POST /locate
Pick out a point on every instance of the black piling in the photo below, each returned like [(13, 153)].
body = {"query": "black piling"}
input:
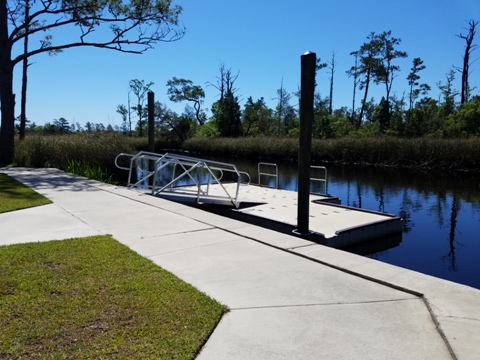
[(151, 121), (307, 91), (151, 130)]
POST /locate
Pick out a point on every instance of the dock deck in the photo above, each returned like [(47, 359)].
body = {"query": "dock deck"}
[(333, 224)]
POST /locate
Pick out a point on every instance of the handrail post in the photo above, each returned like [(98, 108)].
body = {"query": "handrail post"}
[(307, 90)]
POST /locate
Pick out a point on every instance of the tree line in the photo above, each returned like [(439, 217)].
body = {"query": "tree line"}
[(414, 114)]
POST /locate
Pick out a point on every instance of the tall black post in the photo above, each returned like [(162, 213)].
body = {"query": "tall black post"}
[(307, 91), (151, 131), (151, 121)]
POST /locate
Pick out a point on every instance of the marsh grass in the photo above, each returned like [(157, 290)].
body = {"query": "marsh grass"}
[(98, 151), (94, 298), (15, 196), (262, 148), (90, 155), (425, 153), (58, 150)]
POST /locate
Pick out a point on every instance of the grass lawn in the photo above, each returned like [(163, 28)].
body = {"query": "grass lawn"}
[(94, 298), (15, 196)]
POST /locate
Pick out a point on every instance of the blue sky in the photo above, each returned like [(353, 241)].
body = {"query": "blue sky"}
[(260, 40)]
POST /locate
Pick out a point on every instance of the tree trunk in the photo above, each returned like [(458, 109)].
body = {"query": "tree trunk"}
[(465, 95), (355, 77), (332, 68), (7, 98), (7, 131), (365, 95), (23, 100)]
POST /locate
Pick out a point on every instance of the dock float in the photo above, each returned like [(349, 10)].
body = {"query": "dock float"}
[(199, 182), (331, 224)]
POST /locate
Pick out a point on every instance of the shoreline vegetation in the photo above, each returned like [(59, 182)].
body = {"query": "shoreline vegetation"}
[(93, 154), (384, 151)]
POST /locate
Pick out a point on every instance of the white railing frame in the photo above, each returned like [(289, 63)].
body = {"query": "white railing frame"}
[(322, 180), (275, 175), (188, 165)]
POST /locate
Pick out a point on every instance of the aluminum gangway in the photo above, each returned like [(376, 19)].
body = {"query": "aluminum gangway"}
[(183, 178)]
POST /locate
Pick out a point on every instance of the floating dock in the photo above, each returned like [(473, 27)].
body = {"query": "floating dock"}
[(198, 181), (331, 224)]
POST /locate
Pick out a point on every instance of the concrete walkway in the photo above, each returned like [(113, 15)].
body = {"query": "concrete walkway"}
[(289, 298)]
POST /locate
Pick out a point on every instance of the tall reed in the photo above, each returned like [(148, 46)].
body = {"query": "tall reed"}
[(57, 151), (431, 153), (100, 150)]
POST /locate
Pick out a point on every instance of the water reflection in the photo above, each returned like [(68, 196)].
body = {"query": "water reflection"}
[(440, 211)]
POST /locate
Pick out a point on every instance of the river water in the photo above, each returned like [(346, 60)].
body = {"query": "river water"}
[(441, 212)]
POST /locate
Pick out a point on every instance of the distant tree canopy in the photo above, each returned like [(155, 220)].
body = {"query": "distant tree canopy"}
[(183, 90)]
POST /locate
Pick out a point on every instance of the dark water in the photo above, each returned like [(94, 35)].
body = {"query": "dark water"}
[(441, 236)]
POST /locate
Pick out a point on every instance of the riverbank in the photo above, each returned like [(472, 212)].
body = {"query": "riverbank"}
[(99, 150), (421, 153)]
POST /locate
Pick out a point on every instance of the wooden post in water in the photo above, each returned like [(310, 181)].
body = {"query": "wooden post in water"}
[(151, 121), (307, 90)]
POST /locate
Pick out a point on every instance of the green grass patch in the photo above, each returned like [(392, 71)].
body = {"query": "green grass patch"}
[(94, 298), (15, 196)]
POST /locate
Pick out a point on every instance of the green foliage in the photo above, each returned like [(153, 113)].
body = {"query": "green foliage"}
[(257, 118), (341, 126), (94, 172), (170, 126), (370, 129), (183, 90), (227, 115), (208, 130), (140, 89), (286, 115), (15, 196), (94, 298), (466, 120)]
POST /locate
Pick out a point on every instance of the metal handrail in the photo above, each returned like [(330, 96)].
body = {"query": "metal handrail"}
[(322, 180), (143, 157), (149, 166), (275, 175)]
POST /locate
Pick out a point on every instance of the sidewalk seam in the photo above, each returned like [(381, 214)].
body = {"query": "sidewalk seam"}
[(325, 304), (439, 328)]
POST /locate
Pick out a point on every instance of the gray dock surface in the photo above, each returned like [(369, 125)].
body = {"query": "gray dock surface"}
[(335, 225), (289, 298)]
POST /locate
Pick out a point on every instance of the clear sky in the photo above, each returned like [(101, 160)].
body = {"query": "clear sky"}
[(260, 40)]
